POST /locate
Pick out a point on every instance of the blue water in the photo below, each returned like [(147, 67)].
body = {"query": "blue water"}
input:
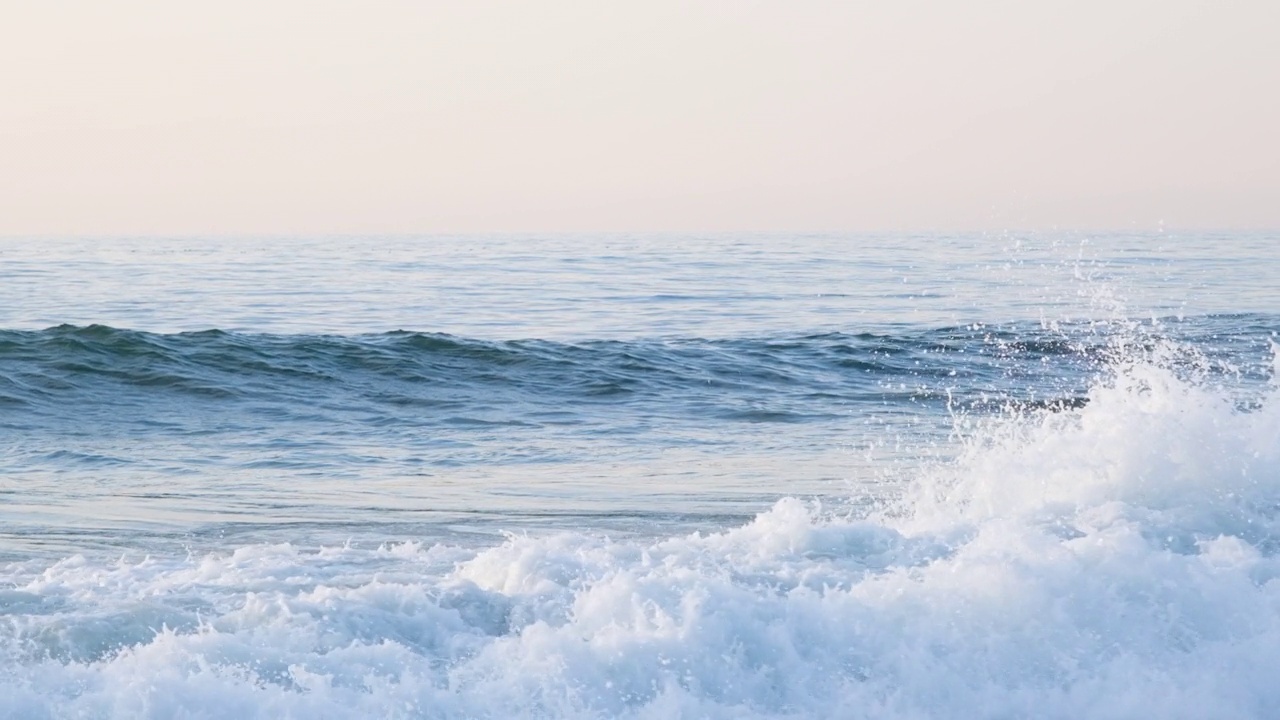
[(733, 476)]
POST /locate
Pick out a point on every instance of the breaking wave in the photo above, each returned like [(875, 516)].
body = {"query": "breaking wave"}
[(1113, 559)]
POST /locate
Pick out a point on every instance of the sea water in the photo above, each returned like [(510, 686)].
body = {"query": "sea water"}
[(744, 476)]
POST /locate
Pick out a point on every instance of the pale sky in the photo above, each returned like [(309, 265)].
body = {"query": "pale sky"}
[(387, 116)]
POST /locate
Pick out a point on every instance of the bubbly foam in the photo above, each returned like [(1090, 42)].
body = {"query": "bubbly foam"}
[(1115, 560)]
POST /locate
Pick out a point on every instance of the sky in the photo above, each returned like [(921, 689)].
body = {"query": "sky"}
[(388, 116)]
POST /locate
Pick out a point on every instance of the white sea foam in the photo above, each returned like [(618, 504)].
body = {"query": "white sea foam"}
[(1115, 561)]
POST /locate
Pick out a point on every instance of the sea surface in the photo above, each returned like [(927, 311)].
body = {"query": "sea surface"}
[(733, 476)]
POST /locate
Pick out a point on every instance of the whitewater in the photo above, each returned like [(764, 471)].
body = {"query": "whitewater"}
[(746, 477)]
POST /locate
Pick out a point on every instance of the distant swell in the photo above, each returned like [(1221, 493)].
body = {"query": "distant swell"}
[(802, 373)]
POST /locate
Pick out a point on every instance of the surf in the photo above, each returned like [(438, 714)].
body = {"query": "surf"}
[(1111, 559)]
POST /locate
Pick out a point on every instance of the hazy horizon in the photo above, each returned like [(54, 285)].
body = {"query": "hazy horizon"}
[(292, 118)]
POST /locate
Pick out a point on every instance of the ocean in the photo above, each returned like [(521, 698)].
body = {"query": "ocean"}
[(732, 476)]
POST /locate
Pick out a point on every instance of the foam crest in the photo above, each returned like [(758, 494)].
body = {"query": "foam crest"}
[(1149, 441)]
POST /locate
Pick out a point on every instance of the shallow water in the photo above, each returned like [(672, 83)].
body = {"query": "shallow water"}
[(750, 476)]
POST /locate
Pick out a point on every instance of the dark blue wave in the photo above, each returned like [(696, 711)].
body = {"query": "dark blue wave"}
[(128, 376)]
